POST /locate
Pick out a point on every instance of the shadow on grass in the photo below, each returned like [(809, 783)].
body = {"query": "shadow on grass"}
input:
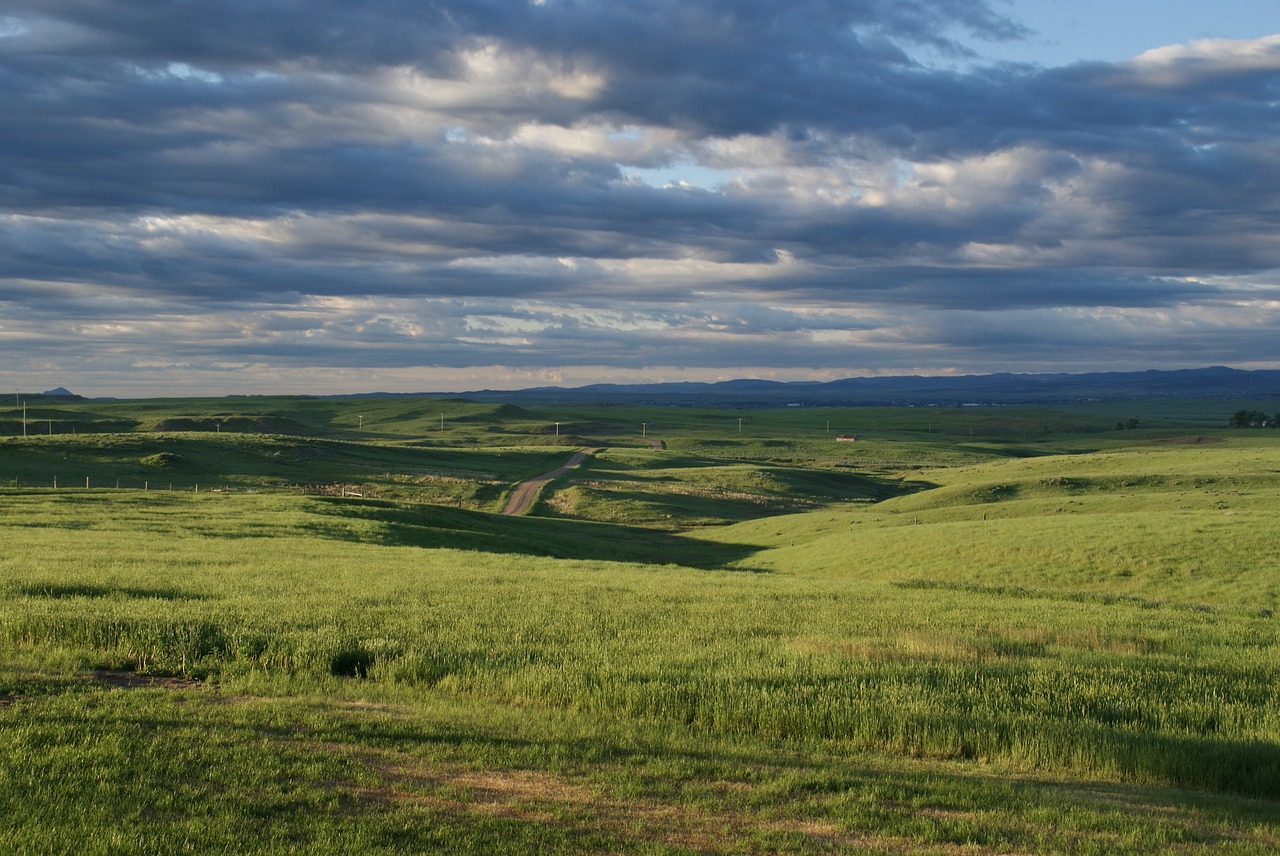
[(605, 467), (313, 768), (429, 526), (86, 590), (1146, 768), (775, 478), (665, 508)]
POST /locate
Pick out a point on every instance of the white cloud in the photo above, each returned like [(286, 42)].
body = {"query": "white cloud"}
[(1179, 65)]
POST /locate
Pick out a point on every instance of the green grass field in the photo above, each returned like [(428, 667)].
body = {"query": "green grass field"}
[(971, 631)]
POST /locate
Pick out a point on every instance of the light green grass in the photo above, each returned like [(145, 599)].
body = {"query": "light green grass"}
[(162, 771), (1193, 524), (939, 672), (983, 651)]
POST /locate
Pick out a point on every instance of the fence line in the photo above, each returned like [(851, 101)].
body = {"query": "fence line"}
[(339, 489)]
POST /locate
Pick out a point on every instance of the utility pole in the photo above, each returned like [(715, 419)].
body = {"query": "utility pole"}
[(739, 424), (441, 421), (557, 429), (24, 419), (361, 418)]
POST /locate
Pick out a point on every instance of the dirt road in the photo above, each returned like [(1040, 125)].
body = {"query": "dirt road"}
[(522, 496)]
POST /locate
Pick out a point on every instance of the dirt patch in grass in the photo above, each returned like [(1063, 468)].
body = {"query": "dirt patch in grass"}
[(541, 797), (133, 680), (1188, 441)]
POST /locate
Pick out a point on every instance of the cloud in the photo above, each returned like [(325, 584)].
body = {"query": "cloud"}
[(1206, 60), (541, 185)]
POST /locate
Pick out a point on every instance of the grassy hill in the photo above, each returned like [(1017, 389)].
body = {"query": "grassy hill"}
[(930, 640), (1191, 523)]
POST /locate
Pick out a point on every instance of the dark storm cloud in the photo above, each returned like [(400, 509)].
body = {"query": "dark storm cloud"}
[(271, 172)]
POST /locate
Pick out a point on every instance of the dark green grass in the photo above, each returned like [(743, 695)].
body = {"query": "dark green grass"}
[(427, 527), (448, 421), (376, 419), (679, 491), (476, 478)]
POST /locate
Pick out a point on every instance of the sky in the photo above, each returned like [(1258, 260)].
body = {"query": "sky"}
[(203, 197)]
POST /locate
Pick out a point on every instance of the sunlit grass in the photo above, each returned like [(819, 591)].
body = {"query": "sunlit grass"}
[(937, 671), (976, 652)]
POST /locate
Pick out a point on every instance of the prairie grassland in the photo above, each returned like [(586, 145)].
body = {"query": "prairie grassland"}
[(672, 490), (1052, 654), (1183, 523), (475, 478), (1108, 687), (151, 770), (369, 419), (1065, 706)]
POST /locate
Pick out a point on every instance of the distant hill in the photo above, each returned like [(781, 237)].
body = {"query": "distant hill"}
[(59, 393), (1217, 382)]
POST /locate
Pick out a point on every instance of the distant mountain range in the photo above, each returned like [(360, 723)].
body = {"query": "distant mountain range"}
[(1217, 382), (1214, 383)]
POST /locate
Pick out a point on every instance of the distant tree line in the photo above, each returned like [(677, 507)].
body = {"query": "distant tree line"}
[(1253, 419)]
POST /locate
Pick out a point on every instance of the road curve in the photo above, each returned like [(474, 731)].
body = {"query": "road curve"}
[(522, 496)]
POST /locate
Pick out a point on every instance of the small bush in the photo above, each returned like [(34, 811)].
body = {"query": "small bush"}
[(165, 460)]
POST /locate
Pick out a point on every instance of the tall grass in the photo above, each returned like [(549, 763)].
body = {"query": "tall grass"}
[(963, 641), (1119, 689)]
